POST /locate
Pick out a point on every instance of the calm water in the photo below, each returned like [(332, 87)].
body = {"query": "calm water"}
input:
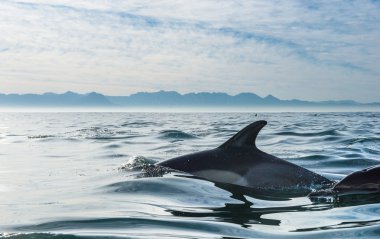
[(85, 175)]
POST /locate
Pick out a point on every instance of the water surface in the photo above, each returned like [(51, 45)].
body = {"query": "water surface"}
[(87, 175)]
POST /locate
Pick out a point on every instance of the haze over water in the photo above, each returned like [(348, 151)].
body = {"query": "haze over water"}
[(87, 175)]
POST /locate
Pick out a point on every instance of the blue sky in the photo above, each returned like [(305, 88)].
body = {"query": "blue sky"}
[(313, 50)]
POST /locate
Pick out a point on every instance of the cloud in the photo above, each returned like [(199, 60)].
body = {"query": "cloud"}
[(119, 47)]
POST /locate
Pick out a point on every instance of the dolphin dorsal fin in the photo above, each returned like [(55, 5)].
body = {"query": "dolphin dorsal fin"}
[(247, 136)]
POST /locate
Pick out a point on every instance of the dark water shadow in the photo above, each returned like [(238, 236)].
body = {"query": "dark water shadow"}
[(246, 213), (268, 194)]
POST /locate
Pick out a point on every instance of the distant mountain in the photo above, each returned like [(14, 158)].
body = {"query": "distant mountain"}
[(93, 99), (68, 99), (172, 98), (163, 99)]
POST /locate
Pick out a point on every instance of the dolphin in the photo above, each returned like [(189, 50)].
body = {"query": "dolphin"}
[(366, 181), (239, 162)]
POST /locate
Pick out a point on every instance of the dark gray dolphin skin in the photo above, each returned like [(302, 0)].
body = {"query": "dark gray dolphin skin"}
[(239, 162), (366, 181)]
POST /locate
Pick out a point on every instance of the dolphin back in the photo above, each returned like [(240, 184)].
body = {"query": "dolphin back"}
[(365, 181)]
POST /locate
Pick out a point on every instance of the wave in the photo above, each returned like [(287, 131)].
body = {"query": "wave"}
[(137, 163), (42, 136), (105, 137), (47, 236), (316, 157), (139, 124), (136, 227), (113, 146), (331, 132), (352, 163), (175, 134), (101, 133), (361, 140)]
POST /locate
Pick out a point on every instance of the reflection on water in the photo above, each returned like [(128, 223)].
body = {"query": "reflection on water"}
[(92, 175)]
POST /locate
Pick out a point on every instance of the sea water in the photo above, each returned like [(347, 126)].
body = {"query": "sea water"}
[(83, 175)]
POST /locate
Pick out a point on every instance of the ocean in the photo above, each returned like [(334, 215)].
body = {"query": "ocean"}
[(89, 175)]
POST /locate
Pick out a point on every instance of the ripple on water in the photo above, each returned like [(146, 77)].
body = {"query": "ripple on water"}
[(361, 140), (136, 227), (101, 133), (332, 138), (173, 191), (371, 151), (112, 146), (331, 132), (175, 134), (114, 155), (315, 157), (42, 136), (352, 163), (138, 124)]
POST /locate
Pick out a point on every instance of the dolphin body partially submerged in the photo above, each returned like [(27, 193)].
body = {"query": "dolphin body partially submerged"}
[(239, 162), (366, 181)]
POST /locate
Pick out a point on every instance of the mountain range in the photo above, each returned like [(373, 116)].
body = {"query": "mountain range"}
[(164, 99)]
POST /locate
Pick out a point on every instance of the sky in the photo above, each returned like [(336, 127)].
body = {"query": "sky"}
[(310, 50)]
